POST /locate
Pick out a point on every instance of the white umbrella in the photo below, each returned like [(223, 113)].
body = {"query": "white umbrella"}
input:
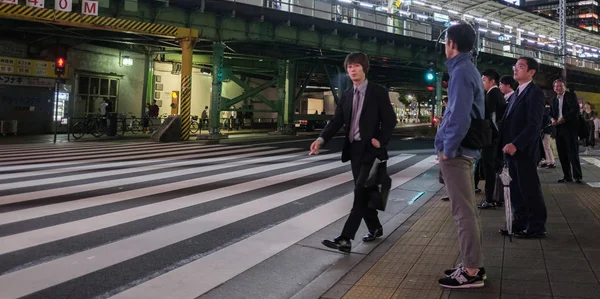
[(505, 178)]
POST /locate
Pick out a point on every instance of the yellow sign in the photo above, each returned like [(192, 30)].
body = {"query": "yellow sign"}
[(398, 3), (27, 67)]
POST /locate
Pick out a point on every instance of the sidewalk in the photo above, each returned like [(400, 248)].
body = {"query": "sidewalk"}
[(565, 264)]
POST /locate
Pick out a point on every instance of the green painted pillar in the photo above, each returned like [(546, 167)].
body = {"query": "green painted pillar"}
[(217, 87), (281, 89), (438, 94), (290, 99), (149, 70)]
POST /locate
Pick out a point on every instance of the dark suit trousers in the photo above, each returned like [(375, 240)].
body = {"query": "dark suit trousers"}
[(529, 209), (360, 209), (491, 164), (568, 152)]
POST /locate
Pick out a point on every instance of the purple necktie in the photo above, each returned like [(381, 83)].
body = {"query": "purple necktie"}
[(354, 123)]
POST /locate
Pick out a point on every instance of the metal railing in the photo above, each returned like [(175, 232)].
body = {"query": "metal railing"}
[(412, 24)]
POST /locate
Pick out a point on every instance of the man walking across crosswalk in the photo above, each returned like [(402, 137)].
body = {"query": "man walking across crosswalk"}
[(369, 119)]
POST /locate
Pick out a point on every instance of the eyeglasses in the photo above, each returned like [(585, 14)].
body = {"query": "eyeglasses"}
[(519, 67)]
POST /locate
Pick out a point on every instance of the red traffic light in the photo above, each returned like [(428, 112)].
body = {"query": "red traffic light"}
[(59, 66), (430, 88), (60, 62)]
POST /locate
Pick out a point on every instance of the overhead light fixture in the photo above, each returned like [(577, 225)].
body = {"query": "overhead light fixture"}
[(531, 41), (541, 44), (496, 23), (587, 48), (454, 12), (404, 13), (542, 36), (128, 61), (468, 16), (496, 33), (578, 46), (552, 38), (570, 50), (520, 30), (418, 3), (552, 46), (345, 1), (531, 33), (483, 30), (436, 7), (508, 27), (366, 5), (508, 35), (481, 20), (569, 43), (422, 16), (594, 50)]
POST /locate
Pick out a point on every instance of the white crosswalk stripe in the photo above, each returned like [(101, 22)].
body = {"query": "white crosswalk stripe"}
[(70, 222)]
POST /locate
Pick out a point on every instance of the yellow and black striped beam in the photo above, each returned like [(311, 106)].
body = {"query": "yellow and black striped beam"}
[(45, 15), (184, 110)]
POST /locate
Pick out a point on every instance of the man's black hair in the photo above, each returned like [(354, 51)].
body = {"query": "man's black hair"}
[(463, 35), (508, 80), (492, 75), (532, 64)]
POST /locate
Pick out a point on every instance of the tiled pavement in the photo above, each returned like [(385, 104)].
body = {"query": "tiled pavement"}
[(565, 264)]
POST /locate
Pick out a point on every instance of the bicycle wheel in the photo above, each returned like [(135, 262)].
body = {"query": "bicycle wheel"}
[(78, 130), (194, 127), (136, 127), (97, 129)]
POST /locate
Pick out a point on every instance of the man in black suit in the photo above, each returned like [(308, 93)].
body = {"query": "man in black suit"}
[(519, 139), (495, 106), (565, 116), (369, 119)]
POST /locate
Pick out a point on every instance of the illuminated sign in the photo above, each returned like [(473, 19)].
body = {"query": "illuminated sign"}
[(438, 17)]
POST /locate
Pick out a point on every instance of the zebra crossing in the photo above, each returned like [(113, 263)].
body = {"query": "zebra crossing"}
[(147, 220)]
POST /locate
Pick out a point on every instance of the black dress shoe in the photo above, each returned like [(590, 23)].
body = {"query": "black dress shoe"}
[(371, 236), (527, 235), (565, 180), (578, 181), (445, 198), (339, 243)]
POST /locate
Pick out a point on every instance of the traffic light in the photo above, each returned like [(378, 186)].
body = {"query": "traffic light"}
[(59, 66), (430, 74)]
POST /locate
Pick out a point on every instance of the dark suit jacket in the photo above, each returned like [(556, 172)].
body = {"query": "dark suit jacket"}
[(377, 121), (494, 102), (570, 112), (522, 123)]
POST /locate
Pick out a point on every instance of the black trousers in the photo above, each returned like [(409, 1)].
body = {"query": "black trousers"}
[(568, 152), (360, 209), (529, 209), (490, 164)]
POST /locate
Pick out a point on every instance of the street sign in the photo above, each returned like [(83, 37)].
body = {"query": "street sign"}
[(89, 8), (63, 5), (36, 3)]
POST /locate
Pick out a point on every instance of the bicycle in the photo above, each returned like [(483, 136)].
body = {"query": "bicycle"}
[(195, 126), (92, 124)]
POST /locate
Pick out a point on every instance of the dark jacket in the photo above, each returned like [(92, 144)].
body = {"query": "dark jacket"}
[(495, 103), (570, 112), (377, 120), (522, 123), (547, 127)]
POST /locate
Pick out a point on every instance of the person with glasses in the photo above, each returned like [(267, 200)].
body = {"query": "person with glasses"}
[(519, 140)]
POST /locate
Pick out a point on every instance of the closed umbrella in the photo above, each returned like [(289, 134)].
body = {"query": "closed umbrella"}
[(505, 178)]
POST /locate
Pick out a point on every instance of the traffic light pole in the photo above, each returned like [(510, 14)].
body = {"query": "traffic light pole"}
[(56, 106)]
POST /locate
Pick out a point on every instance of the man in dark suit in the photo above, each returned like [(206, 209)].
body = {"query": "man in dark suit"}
[(369, 119), (565, 116), (519, 139), (495, 106)]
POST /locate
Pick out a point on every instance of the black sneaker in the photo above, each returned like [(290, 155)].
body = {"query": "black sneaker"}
[(460, 279), (450, 271), (338, 243), (486, 205)]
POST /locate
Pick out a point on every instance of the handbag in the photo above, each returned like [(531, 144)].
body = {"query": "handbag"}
[(378, 185)]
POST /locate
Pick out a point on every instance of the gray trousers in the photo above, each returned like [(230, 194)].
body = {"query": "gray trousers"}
[(458, 177)]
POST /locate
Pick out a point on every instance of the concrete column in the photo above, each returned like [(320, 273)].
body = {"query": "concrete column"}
[(185, 98), (290, 88), (438, 94), (217, 87)]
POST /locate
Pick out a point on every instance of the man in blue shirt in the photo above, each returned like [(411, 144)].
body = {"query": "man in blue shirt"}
[(465, 101)]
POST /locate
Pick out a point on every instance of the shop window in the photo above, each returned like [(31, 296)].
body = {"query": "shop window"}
[(93, 90)]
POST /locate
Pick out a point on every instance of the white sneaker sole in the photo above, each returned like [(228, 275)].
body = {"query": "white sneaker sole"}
[(480, 284)]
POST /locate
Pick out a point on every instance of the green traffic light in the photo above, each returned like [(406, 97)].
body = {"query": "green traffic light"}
[(429, 76)]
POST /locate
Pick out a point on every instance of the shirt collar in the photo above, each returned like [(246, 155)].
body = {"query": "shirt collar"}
[(560, 96), (454, 61), (362, 87), (491, 89), (506, 96), (523, 86)]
